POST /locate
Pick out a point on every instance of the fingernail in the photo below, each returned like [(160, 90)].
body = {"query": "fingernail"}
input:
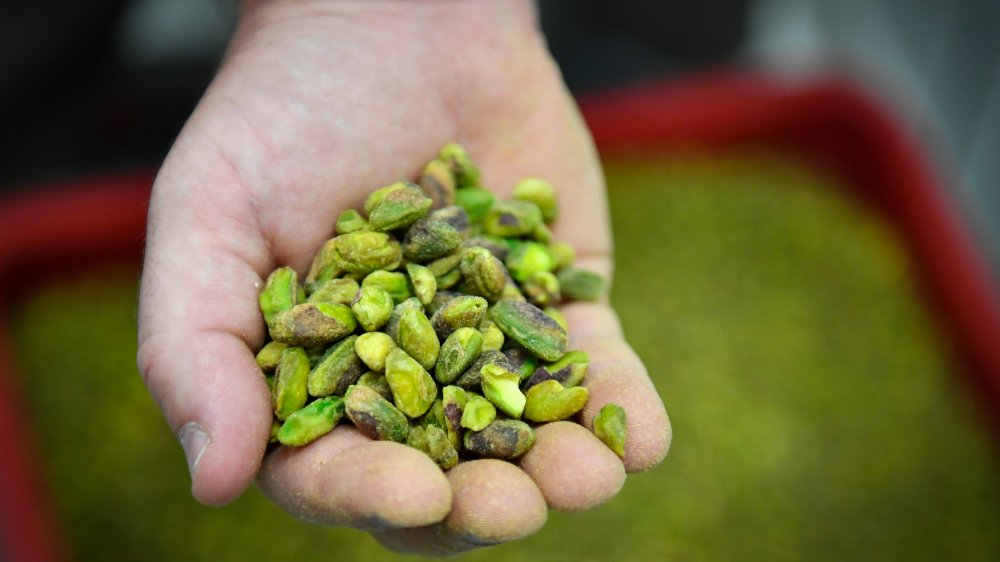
[(194, 440)]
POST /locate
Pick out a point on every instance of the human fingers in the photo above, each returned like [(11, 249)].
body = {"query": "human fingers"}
[(346, 479)]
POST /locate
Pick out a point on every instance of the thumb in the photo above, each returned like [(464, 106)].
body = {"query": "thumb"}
[(197, 324)]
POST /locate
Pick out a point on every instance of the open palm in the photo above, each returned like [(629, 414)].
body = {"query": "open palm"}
[(318, 103)]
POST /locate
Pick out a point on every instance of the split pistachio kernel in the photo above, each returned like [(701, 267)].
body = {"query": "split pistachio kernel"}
[(336, 369), (541, 193), (372, 348), (351, 221), (611, 427), (280, 293), (423, 281), (478, 413), (501, 386), (550, 401), (413, 388), (311, 422), (372, 307), (526, 324), (502, 439)]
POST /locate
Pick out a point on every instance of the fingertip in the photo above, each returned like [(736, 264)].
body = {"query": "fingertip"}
[(616, 375), (572, 468), (493, 502), (225, 449)]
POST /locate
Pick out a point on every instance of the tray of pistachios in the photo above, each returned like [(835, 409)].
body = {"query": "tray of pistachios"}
[(431, 318)]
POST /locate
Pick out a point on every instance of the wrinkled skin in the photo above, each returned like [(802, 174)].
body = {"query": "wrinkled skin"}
[(316, 104)]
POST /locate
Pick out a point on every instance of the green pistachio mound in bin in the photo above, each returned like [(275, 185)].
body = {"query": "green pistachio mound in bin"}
[(432, 319)]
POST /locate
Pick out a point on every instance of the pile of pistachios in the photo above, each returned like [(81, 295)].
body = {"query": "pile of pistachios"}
[(430, 319)]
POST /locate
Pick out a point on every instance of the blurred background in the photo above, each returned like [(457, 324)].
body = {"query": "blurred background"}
[(820, 412)]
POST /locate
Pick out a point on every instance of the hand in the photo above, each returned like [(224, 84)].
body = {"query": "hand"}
[(316, 104)]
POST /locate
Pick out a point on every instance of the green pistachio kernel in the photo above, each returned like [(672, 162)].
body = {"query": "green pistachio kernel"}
[(372, 307), (290, 380), (453, 400), (502, 439), (529, 258), (434, 442), (395, 282), (476, 201), (324, 265), (280, 293), (400, 206), (569, 370), (471, 378), (434, 415), (429, 239), (269, 356), (351, 221), (541, 233), (375, 416), (462, 167), (541, 193), (484, 275), (450, 279), (275, 428), (522, 361), (461, 311), (526, 324), (416, 337), (611, 427), (423, 282), (392, 328), (501, 386), (549, 401), (413, 388), (312, 422), (492, 336), (446, 270), (312, 324), (373, 348), (542, 289), (340, 291), (478, 413), (457, 353), (456, 217), (511, 292), (376, 197), (376, 382), (337, 369), (270, 381), (512, 218), (365, 251), (564, 253), (438, 183), (440, 299), (442, 266), (580, 285), (496, 245)]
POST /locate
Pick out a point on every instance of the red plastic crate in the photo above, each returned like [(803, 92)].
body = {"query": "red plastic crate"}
[(47, 231)]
